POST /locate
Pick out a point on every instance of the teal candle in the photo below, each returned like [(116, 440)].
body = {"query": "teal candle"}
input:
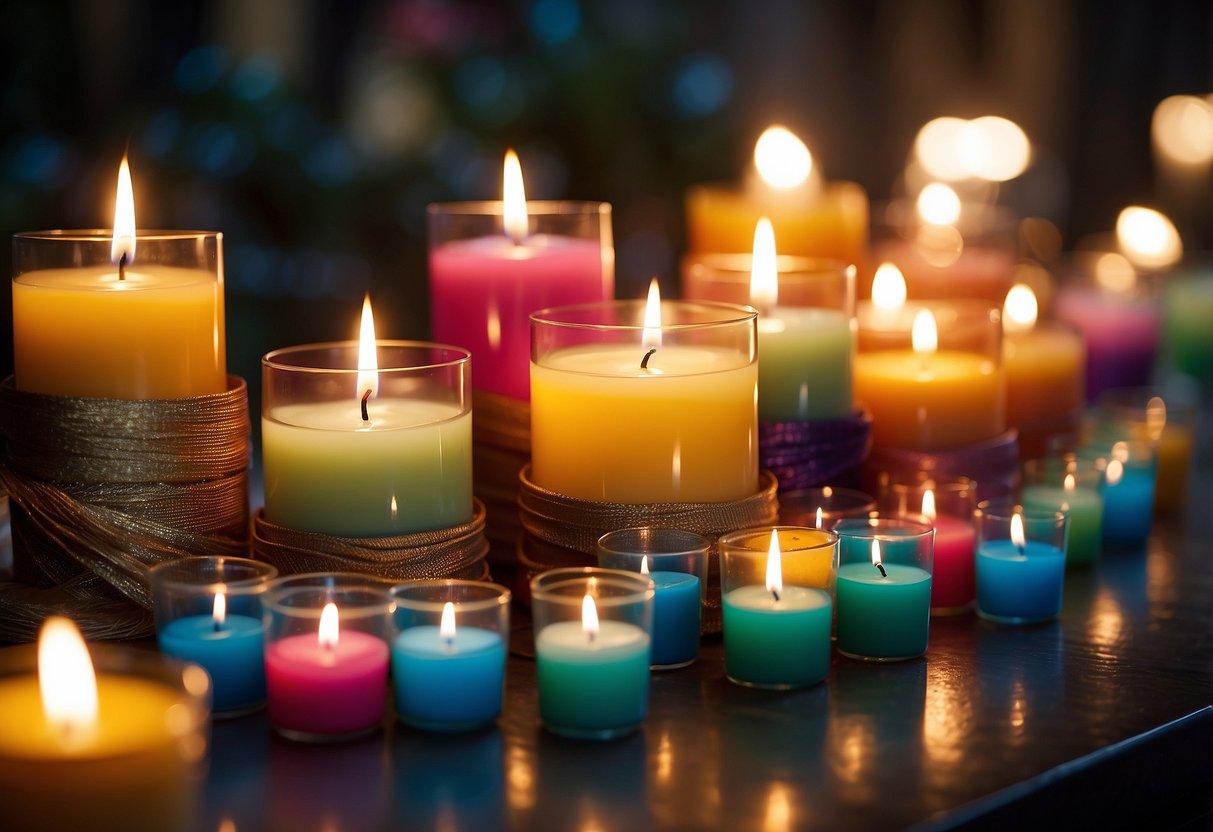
[(231, 652), (676, 605), (1188, 306), (805, 372), (448, 683), (1128, 500), (1019, 585), (776, 643), (1085, 507), (592, 687), (882, 616)]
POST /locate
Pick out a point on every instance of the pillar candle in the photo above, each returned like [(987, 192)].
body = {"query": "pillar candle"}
[(1121, 333)]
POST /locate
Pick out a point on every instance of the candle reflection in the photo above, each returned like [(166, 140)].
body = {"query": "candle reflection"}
[(948, 716), (779, 809), (520, 778)]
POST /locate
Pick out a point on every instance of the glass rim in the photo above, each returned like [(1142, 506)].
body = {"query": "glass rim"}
[(534, 207), (739, 314), (849, 493), (500, 598), (692, 542), (640, 587), (731, 540), (290, 585), (1005, 509), (740, 263), (164, 575), (911, 528), (106, 235), (951, 485), (273, 360)]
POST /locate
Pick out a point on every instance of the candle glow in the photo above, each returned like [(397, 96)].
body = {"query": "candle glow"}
[(1020, 309), (764, 274), (928, 504), (1017, 534), (329, 627), (924, 337), (774, 567), (651, 337), (446, 626), (66, 678), (368, 359), (1147, 238), (782, 159), (938, 204), (888, 287), (122, 250), (589, 617), (513, 196), (219, 610)]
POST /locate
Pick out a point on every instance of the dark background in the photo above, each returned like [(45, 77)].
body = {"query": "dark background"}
[(313, 134)]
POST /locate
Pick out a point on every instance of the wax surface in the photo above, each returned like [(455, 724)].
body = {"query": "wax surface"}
[(883, 617), (232, 655), (1045, 369), (409, 469), (483, 291), (1121, 336), (1017, 588), (946, 400), (1085, 507), (446, 684), (588, 688), (685, 430), (159, 334), (952, 573), (315, 689), (804, 371), (784, 643), (676, 606)]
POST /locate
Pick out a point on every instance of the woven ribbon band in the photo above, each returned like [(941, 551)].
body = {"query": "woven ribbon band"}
[(807, 454), (103, 489), (457, 552)]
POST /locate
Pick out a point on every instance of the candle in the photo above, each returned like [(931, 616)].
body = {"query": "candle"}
[(79, 747), (121, 316), (811, 220), (629, 412), (1019, 580), (1082, 502), (820, 507), (1128, 499), (947, 506), (493, 264), (777, 633), (1188, 307), (1044, 368), (884, 588), (593, 672), (344, 462), (450, 676)]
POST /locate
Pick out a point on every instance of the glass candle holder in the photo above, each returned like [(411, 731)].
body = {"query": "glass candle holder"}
[(1165, 417), (592, 650), (1075, 487), (152, 329), (208, 611), (804, 324), (145, 748), (449, 652), (1045, 366), (663, 414), (775, 588), (884, 587), (802, 506), (326, 655), (940, 388), (397, 462), (484, 285), (1019, 573), (1188, 308), (677, 563), (949, 510)]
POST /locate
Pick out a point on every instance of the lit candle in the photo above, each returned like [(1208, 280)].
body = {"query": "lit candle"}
[(493, 264), (1188, 307), (121, 316), (649, 408), (357, 449), (1019, 580), (80, 747), (1128, 496), (952, 578), (1082, 503)]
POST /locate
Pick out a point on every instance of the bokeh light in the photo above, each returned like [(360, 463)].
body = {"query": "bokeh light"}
[(1182, 129), (782, 159), (1147, 238)]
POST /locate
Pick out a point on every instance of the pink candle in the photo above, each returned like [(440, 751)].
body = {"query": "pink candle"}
[(335, 688), (952, 582), (1121, 334)]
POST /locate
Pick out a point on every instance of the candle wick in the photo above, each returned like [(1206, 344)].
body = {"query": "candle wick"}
[(218, 626), (775, 592), (122, 267), (366, 417), (880, 566), (644, 362)]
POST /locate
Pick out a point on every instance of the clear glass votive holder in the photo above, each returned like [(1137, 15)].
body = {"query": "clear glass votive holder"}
[(776, 605), (1169, 422), (1075, 486), (884, 587), (449, 652), (208, 611), (1020, 578), (484, 284), (802, 506), (339, 462), (592, 650), (949, 510), (326, 655), (677, 562)]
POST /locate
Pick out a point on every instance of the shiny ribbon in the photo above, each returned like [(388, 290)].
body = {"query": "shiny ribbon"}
[(807, 454)]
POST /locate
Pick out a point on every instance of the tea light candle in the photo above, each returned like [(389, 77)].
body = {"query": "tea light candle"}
[(952, 578), (1019, 581), (1084, 505)]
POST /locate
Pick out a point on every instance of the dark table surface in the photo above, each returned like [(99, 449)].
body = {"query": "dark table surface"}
[(1102, 719)]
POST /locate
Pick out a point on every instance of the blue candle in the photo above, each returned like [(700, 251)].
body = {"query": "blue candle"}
[(448, 683), (883, 616), (776, 643), (232, 652), (1019, 584), (676, 607), (1128, 500)]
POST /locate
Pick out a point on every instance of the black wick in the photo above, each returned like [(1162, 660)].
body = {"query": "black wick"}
[(775, 592), (644, 362), (122, 267), (880, 566), (366, 417)]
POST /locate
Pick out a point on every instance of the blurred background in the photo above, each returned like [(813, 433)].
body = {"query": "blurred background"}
[(313, 133)]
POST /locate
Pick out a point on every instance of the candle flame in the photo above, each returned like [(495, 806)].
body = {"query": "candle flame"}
[(782, 159), (368, 359), (764, 274), (589, 617), (820, 517), (1115, 273), (124, 217), (1148, 238), (330, 626), (644, 564), (1017, 533), (925, 335), (774, 567), (1120, 451), (66, 678), (1156, 417), (938, 204), (513, 197), (1069, 483), (446, 627), (928, 504), (652, 317), (888, 288), (1114, 471), (219, 610), (1020, 309)]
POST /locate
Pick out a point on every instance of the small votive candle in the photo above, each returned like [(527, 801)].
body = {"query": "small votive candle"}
[(592, 650), (884, 587), (945, 504), (775, 601), (677, 563), (208, 611), (1073, 486), (1021, 563), (448, 656), (326, 655), (819, 508)]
